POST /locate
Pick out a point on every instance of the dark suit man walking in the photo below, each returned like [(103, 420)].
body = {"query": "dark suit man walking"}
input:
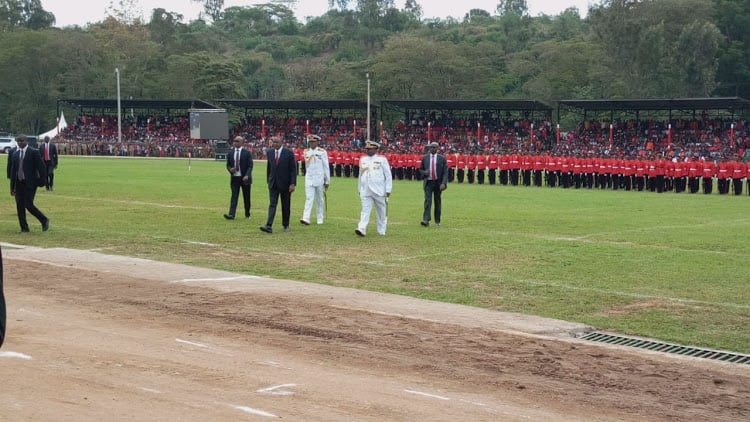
[(281, 172), (240, 168), (434, 169), (27, 172), (49, 155)]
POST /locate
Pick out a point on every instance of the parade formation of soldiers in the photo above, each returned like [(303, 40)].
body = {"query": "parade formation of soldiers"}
[(658, 173)]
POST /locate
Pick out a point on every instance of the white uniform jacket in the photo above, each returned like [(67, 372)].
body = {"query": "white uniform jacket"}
[(374, 176), (317, 170)]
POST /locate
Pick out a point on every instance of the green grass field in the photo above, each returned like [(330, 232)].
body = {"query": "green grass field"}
[(667, 266)]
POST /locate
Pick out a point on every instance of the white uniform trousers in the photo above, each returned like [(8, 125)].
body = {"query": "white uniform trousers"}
[(380, 213), (314, 194)]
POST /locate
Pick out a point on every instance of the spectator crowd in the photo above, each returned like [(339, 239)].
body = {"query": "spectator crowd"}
[(480, 147)]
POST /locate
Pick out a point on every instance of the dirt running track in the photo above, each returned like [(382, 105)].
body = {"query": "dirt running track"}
[(93, 337)]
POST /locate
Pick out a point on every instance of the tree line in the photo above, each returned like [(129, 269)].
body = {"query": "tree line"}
[(620, 49)]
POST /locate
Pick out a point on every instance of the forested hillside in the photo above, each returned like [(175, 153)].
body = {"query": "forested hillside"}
[(621, 49)]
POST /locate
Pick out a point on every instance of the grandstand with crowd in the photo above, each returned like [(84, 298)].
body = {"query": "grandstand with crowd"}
[(494, 142)]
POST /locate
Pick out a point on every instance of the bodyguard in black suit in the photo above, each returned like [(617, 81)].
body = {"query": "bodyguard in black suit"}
[(49, 155), (281, 172), (240, 168), (434, 169), (27, 172), (2, 302)]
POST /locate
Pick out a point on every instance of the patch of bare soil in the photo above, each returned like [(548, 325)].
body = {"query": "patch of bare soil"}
[(110, 338)]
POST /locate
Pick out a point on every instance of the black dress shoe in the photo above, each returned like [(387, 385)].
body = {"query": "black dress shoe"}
[(425, 223), (45, 225), (266, 229), (247, 216), (22, 231), (229, 216)]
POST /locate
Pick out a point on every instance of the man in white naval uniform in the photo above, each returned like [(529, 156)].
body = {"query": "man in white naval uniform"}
[(375, 185), (317, 179)]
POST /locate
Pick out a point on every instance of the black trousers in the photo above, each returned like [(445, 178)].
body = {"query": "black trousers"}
[(432, 193), (50, 174), (286, 202), (25, 201), (236, 185)]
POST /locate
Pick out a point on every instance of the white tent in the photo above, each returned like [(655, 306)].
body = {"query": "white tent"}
[(61, 124)]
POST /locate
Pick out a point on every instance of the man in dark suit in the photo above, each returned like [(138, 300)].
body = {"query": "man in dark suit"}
[(49, 155), (434, 169), (27, 172), (281, 172), (240, 168), (2, 302)]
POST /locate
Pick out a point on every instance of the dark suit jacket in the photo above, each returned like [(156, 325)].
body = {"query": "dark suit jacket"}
[(34, 170), (52, 152), (246, 163), (441, 168), (283, 174), (10, 160)]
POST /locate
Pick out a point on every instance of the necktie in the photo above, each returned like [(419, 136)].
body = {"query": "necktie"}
[(433, 174), (20, 165), (277, 157), (237, 159)]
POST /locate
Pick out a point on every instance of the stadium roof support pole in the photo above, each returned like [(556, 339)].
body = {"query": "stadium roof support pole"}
[(368, 105), (119, 108)]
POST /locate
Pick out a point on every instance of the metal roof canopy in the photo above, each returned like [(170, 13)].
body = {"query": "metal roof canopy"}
[(296, 104), (730, 104), (478, 105), (109, 104)]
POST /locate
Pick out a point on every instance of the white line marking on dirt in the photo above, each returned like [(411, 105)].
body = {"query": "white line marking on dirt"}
[(275, 390), (235, 278), (254, 411), (274, 364), (150, 390), (192, 343), (14, 355), (472, 402), (420, 393)]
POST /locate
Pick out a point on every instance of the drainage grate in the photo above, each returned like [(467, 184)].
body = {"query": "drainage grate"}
[(667, 348)]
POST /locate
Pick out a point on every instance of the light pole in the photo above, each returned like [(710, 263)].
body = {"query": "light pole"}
[(368, 106), (119, 108)]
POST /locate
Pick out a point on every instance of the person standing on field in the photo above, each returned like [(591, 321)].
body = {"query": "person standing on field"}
[(49, 155), (281, 172), (240, 168), (434, 171), (375, 185), (317, 180), (27, 173)]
